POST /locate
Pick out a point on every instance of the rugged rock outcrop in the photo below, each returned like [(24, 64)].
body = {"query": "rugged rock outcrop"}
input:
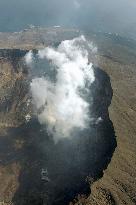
[(13, 88)]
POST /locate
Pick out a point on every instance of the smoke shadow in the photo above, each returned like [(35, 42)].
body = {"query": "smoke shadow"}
[(54, 174)]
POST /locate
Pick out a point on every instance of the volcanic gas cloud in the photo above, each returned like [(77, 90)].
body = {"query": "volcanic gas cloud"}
[(61, 103)]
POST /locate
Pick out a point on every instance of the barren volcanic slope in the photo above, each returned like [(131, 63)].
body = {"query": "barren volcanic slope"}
[(23, 150), (118, 58)]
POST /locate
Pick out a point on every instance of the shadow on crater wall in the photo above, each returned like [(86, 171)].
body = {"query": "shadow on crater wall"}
[(53, 174)]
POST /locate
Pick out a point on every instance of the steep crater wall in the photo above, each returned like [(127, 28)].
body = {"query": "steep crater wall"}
[(13, 87)]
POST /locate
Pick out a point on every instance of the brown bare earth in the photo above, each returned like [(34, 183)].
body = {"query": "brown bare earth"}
[(118, 185), (117, 57)]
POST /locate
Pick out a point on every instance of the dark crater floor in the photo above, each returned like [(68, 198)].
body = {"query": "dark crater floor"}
[(54, 174)]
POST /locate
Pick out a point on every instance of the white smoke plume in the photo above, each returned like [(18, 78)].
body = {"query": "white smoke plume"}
[(60, 104), (29, 57)]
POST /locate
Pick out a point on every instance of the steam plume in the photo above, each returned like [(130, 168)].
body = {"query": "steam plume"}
[(61, 104), (29, 57)]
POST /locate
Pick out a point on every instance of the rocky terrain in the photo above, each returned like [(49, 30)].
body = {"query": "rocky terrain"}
[(118, 185), (21, 158)]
